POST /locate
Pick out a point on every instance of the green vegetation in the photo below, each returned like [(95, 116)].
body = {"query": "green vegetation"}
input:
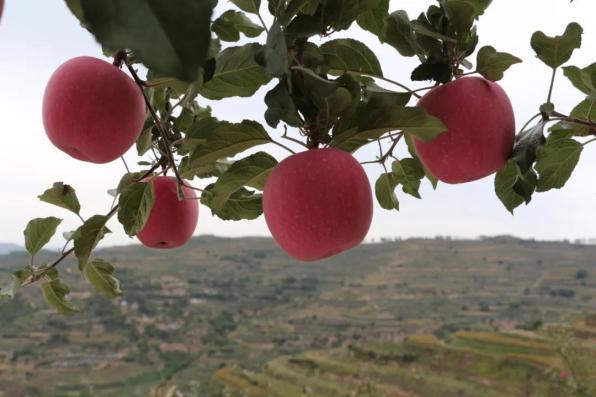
[(389, 318)]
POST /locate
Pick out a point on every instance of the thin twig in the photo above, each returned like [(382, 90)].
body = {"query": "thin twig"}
[(281, 145), (383, 157), (160, 128), (70, 251), (262, 22), (289, 138), (125, 164), (573, 120), (397, 83), (552, 84)]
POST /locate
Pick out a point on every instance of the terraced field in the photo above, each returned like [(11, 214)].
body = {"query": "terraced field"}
[(468, 364), (241, 303)]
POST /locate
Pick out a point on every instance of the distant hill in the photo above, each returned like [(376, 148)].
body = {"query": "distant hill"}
[(221, 303), (7, 248)]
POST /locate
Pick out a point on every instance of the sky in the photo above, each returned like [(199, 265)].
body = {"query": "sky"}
[(37, 36)]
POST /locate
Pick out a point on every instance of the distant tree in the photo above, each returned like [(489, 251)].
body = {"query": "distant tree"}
[(581, 274)]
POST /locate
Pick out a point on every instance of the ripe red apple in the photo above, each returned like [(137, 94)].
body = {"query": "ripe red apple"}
[(92, 110), (318, 203), (480, 130), (172, 221)]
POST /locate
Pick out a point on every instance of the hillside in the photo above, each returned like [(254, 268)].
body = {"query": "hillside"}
[(467, 364), (220, 302), (6, 248)]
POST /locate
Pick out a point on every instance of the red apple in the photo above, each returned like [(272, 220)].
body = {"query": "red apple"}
[(172, 221), (318, 203), (92, 110), (1, 7), (480, 130)]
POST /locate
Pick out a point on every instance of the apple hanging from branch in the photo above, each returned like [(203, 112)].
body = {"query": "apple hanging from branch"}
[(92, 110), (172, 220), (480, 130), (318, 203)]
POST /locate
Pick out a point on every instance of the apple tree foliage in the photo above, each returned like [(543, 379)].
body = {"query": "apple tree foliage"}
[(323, 91)]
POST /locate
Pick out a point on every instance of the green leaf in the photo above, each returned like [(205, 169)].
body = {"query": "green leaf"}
[(340, 14), (373, 19), (88, 236), (555, 161), (424, 30), (276, 52), (331, 107), (525, 185), (398, 32), (134, 206), (385, 191), (38, 233), (236, 73), (144, 141), (63, 196), (251, 6), (349, 55), (582, 79), (251, 171), (555, 51), (412, 150), (242, 204), (56, 294), (128, 179), (379, 96), (309, 7), (527, 143), (195, 134), (461, 15), (173, 41), (579, 112), (222, 140), (479, 5), (281, 107), (75, 7), (433, 68), (277, 7), (408, 173), (23, 276), (505, 179), (99, 273), (492, 64), (374, 121), (231, 23)]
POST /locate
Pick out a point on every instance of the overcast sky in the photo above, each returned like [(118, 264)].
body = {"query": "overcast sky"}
[(37, 36)]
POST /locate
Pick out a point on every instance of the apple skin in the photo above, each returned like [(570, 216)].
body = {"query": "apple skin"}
[(480, 130), (92, 110), (172, 221), (318, 203)]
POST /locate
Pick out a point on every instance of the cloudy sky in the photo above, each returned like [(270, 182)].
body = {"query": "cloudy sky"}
[(37, 36)]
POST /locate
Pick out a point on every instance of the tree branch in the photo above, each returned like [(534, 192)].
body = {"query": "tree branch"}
[(159, 125)]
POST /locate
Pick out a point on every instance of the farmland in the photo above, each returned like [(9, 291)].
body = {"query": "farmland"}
[(203, 317)]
